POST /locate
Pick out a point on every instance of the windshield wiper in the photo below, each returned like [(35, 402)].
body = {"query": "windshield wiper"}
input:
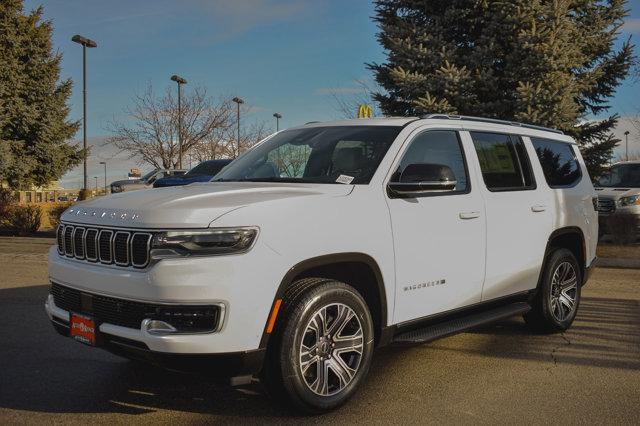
[(277, 179)]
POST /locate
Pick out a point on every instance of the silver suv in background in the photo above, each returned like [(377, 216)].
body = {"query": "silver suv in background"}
[(144, 182), (619, 192)]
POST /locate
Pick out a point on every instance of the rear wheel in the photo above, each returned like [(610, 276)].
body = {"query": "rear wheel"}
[(556, 303), (322, 348)]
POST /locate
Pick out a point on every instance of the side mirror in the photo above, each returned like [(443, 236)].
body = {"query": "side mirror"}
[(420, 179)]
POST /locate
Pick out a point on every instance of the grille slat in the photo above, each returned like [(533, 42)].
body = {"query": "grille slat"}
[(140, 249), (104, 246), (78, 242), (119, 247), (60, 238), (127, 313), (91, 248), (68, 240)]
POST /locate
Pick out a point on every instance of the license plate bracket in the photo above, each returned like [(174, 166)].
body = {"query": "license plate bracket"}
[(83, 329)]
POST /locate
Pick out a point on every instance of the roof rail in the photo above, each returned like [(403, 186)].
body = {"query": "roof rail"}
[(490, 120)]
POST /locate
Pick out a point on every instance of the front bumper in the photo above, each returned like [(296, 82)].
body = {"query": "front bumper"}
[(136, 344)]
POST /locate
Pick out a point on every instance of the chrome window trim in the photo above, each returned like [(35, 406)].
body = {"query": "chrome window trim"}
[(84, 246), (126, 245), (95, 259), (148, 252), (110, 246)]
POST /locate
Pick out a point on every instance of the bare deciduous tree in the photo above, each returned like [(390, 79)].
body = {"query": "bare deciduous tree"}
[(150, 134), (222, 143), (346, 103)]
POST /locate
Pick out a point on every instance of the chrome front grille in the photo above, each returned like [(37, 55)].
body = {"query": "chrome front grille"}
[(606, 205), (119, 247)]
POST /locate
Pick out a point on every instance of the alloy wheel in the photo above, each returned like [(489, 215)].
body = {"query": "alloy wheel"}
[(564, 290), (331, 349)]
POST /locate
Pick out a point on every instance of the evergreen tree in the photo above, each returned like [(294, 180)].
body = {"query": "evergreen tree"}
[(550, 63), (33, 104)]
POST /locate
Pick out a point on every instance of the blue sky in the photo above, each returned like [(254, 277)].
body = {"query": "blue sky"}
[(285, 56)]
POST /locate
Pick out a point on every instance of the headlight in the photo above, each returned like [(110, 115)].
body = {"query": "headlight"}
[(629, 201), (207, 242)]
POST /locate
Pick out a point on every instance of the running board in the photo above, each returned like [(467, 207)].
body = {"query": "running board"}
[(454, 326)]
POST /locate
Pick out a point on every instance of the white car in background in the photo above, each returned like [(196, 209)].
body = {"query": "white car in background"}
[(327, 240), (619, 192)]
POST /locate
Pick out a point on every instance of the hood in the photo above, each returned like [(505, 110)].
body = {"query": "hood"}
[(191, 206), (616, 193)]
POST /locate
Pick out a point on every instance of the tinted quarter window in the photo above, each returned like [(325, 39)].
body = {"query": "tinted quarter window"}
[(558, 161), (504, 162), (441, 147)]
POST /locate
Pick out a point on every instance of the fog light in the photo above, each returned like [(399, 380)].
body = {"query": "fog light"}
[(158, 327)]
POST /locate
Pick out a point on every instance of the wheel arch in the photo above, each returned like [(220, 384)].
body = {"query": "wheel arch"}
[(358, 270), (572, 239)]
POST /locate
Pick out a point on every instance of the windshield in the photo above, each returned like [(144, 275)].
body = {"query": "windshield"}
[(336, 154), (148, 175), (208, 168), (622, 175)]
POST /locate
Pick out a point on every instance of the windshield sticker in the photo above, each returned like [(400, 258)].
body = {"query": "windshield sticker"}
[(344, 179)]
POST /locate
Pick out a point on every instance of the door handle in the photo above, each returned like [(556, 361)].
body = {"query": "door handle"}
[(469, 215), (538, 208)]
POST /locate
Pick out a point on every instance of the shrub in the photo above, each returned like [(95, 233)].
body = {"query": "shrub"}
[(25, 219), (6, 201), (623, 228), (55, 212)]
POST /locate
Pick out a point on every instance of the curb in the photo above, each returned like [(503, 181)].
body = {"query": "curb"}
[(613, 262)]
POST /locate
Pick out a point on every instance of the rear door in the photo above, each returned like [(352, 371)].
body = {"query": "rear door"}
[(439, 237), (518, 213)]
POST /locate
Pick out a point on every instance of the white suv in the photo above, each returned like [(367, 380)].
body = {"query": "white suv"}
[(327, 240)]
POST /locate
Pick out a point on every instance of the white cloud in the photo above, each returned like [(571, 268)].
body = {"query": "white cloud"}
[(631, 25)]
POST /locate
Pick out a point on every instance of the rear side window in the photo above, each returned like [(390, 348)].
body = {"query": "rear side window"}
[(504, 162), (559, 162)]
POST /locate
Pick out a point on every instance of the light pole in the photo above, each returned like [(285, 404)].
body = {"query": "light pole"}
[(180, 82), (85, 42), (278, 116), (626, 145), (238, 101), (105, 176)]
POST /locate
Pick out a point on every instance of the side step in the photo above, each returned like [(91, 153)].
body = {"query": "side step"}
[(457, 325)]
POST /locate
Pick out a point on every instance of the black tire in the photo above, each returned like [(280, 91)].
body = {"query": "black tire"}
[(550, 311), (282, 374)]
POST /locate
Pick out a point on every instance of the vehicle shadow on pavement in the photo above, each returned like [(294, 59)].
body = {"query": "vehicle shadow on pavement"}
[(604, 334), (44, 372)]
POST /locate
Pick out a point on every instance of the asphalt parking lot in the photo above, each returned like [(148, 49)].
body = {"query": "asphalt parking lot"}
[(497, 374)]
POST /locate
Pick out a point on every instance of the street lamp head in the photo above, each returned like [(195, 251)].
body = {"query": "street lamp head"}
[(277, 115), (83, 41), (238, 100), (103, 162), (626, 133), (178, 79)]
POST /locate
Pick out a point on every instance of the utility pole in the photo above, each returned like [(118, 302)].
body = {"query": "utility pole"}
[(85, 42), (238, 101), (626, 145), (105, 176), (180, 82), (278, 116)]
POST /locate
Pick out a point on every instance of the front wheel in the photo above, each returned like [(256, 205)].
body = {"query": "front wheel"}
[(323, 349), (556, 304)]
